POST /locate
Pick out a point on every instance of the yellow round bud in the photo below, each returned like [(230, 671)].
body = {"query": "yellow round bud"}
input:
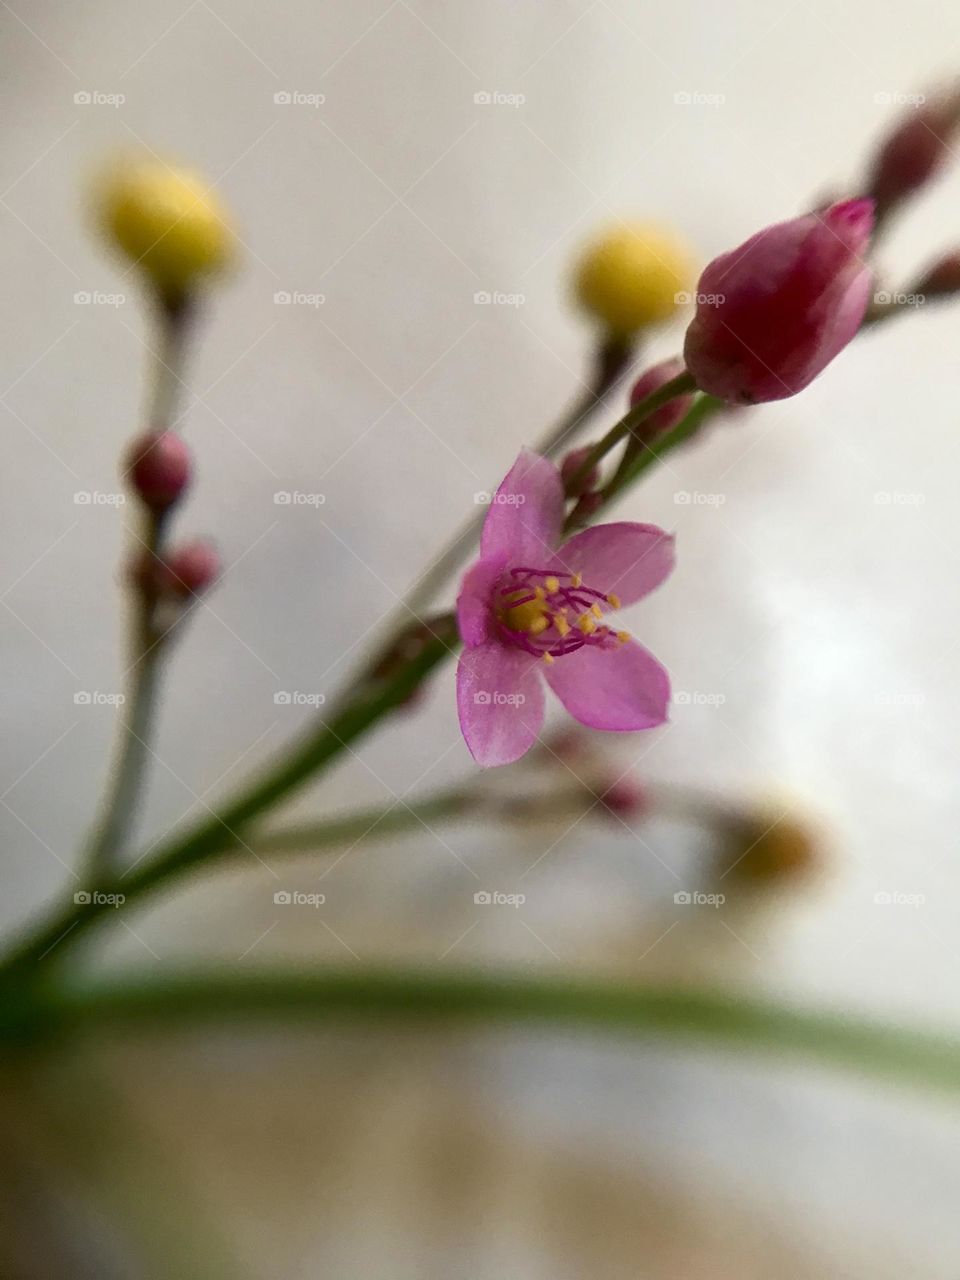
[(166, 221), (634, 276)]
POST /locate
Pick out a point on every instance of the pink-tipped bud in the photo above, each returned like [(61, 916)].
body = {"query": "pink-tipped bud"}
[(626, 799), (192, 567), (572, 464), (673, 412), (158, 464), (913, 152), (773, 313), (940, 280)]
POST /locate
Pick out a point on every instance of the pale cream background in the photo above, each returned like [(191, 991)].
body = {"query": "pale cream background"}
[(826, 620)]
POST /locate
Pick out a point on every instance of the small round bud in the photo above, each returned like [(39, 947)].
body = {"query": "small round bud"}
[(763, 848), (634, 276), (192, 567), (166, 221), (158, 464), (571, 465), (673, 412), (625, 798), (915, 150)]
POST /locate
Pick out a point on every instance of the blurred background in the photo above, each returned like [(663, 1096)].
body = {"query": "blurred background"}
[(389, 166)]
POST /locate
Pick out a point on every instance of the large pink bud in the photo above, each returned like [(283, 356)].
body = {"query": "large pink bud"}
[(772, 314)]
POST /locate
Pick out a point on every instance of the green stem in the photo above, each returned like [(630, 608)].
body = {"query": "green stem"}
[(653, 452), (219, 833), (681, 385), (375, 822), (427, 997), (611, 362), (146, 647)]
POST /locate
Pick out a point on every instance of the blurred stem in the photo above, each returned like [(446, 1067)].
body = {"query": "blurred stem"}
[(681, 385), (219, 832), (145, 648), (612, 359), (711, 1017)]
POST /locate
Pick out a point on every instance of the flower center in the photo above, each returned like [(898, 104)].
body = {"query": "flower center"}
[(551, 614)]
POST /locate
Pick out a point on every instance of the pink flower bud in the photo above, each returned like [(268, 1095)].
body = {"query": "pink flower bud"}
[(942, 279), (673, 412), (912, 153), (626, 799), (773, 313), (158, 464), (588, 504), (192, 567), (572, 464)]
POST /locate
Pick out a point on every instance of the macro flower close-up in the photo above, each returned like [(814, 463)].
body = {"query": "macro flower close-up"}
[(479, 617)]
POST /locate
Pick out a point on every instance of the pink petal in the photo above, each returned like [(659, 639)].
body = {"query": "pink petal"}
[(617, 689), (474, 612), (500, 702), (526, 513), (626, 559)]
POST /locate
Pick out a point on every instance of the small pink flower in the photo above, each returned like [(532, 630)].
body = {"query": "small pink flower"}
[(528, 609), (772, 314)]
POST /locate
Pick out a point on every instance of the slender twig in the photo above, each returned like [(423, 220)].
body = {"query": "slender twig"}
[(146, 645), (612, 360)]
